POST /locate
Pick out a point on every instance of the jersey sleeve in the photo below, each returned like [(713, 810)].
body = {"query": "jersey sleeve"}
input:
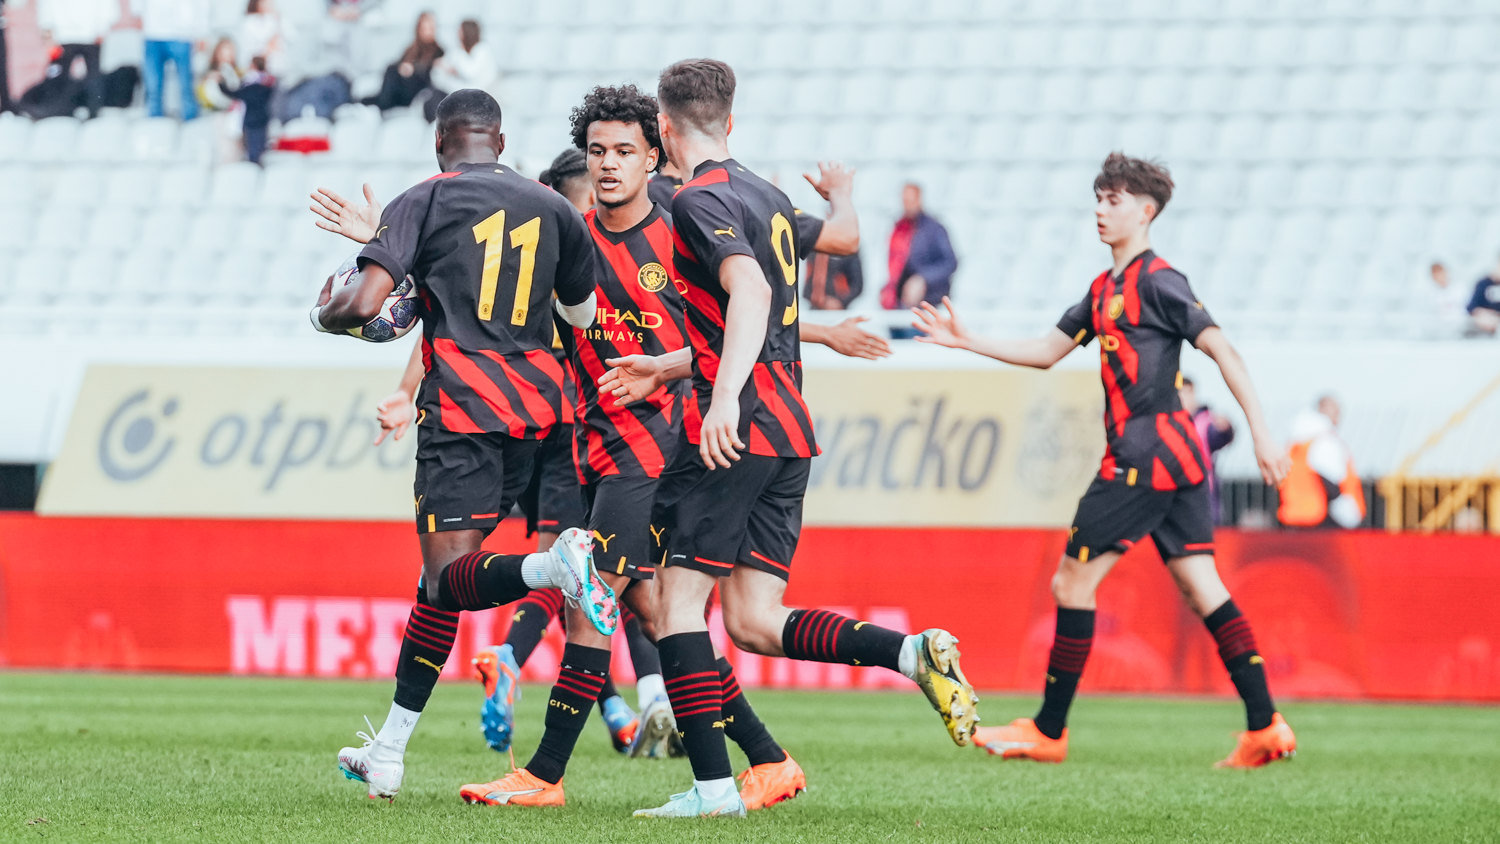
[(399, 236), (1078, 321), (1175, 307), (575, 260), (809, 227), (711, 225)]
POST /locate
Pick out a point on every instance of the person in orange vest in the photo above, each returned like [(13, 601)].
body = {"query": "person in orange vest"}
[(1323, 488)]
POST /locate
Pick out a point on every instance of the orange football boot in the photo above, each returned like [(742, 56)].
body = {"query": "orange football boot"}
[(1020, 739), (1262, 747), (518, 788), (771, 783)]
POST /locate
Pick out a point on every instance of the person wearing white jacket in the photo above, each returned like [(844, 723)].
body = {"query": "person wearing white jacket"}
[(171, 29), (78, 27)]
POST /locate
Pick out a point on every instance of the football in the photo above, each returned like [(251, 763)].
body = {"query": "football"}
[(397, 316)]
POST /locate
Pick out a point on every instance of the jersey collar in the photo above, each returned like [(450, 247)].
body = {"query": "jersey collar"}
[(1144, 258), (621, 237)]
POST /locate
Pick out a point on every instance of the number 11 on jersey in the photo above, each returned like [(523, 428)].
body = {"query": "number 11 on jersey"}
[(524, 237)]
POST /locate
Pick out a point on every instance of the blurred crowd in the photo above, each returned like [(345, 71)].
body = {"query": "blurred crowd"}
[(185, 64)]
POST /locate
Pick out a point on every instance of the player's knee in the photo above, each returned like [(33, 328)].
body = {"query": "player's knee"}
[(749, 635), (1070, 588)]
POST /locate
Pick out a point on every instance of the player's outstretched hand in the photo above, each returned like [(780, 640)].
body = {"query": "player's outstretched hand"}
[(340, 216), (394, 413), (1273, 460), (719, 441), (833, 177), (849, 340), (942, 329), (631, 378)]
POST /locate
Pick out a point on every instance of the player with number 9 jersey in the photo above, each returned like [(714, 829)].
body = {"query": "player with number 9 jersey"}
[(488, 247), (727, 210)]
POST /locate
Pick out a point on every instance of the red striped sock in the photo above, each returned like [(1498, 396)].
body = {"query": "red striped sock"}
[(579, 680), (424, 648), (696, 693), (1242, 658), (823, 636), (529, 623), (1070, 652), (482, 580)]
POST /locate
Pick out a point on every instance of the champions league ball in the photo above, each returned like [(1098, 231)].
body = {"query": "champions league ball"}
[(397, 316)]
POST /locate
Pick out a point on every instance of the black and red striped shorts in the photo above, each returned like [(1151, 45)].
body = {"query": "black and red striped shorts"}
[(748, 515), (1115, 515)]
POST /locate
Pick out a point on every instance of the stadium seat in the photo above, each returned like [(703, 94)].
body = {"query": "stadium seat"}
[(90, 277), (115, 228), (153, 138), (54, 139), (164, 228), (104, 139), (239, 278), (214, 228), (38, 278), (140, 279), (15, 137), (182, 186), (127, 186), (189, 277), (234, 185), (266, 230)]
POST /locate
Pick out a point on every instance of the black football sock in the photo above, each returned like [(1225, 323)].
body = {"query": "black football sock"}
[(424, 648), (823, 636), (687, 661), (1070, 650), (582, 674), (643, 654), (741, 725), (606, 692), (529, 623), (1246, 668), (482, 580)]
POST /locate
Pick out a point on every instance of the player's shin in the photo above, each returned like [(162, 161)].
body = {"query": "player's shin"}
[(823, 636), (694, 688), (482, 580), (742, 725), (1247, 670), (529, 623), (424, 649), (1070, 651), (579, 680)]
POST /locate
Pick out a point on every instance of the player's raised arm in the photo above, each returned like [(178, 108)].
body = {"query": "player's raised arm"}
[(1269, 454), (744, 335), (340, 216), (944, 328), (839, 234)]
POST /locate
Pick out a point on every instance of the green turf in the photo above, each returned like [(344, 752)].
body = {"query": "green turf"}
[(216, 759)]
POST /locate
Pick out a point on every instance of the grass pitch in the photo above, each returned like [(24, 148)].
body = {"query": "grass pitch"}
[(133, 758)]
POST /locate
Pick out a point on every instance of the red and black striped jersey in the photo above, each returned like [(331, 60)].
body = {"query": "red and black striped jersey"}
[(488, 248), (640, 313), (726, 210), (1141, 318), (662, 188)]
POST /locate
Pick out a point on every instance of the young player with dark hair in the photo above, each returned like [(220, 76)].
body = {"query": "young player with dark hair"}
[(621, 451), (732, 518), (475, 236), (1152, 479)]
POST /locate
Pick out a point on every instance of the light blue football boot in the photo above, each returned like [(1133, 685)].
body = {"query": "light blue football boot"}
[(690, 804), (497, 669)]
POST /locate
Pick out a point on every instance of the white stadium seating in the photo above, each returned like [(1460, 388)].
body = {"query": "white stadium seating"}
[(1325, 152)]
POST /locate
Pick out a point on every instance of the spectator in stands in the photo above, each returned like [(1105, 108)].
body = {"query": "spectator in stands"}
[(1484, 306), (172, 29), (922, 262), (260, 34), (223, 70), (412, 73), (472, 67), (77, 28), (255, 91), (1214, 432), (1322, 489), (831, 282), (5, 104)]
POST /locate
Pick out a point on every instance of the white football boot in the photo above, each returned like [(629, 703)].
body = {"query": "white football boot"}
[(656, 737), (690, 804), (570, 565), (378, 764)]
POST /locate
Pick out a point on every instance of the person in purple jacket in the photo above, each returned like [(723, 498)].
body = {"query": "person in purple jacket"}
[(1214, 432)]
